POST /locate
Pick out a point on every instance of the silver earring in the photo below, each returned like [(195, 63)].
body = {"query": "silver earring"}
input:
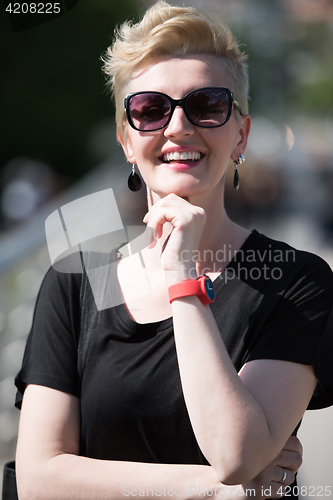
[(240, 160), (134, 181)]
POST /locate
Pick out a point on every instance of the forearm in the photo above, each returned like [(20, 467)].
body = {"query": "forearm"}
[(228, 422), (49, 466), (70, 476)]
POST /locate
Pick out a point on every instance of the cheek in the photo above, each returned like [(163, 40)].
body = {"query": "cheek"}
[(224, 143), (145, 148)]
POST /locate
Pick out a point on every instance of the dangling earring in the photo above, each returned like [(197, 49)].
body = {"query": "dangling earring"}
[(240, 160), (134, 181)]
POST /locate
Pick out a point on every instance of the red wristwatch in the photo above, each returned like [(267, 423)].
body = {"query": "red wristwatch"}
[(202, 287)]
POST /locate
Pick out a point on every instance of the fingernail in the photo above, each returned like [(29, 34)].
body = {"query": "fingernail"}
[(145, 218)]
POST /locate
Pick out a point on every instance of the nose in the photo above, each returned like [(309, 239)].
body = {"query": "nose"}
[(179, 125)]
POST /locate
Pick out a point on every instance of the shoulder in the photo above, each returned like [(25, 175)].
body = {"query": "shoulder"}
[(50, 357), (58, 302), (282, 274), (65, 282), (58, 287), (294, 320), (275, 249), (297, 263)]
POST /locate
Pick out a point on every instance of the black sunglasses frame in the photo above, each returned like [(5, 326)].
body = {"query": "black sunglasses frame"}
[(181, 103)]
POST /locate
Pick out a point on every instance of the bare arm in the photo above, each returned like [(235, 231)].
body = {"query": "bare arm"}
[(241, 421), (250, 415), (48, 465)]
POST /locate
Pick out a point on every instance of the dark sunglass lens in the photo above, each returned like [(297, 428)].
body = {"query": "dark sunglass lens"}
[(208, 108), (149, 111)]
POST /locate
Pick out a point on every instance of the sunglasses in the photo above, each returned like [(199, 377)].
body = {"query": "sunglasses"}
[(207, 108)]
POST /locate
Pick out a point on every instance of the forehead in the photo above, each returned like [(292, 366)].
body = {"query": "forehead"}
[(178, 76)]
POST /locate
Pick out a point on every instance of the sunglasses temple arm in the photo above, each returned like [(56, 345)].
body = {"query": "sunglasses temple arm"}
[(237, 106)]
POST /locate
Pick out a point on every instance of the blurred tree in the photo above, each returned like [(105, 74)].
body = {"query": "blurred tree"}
[(310, 64), (52, 87)]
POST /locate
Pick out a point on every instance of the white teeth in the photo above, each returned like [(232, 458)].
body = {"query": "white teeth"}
[(184, 155)]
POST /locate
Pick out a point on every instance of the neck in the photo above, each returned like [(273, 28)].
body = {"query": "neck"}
[(221, 237), (220, 240)]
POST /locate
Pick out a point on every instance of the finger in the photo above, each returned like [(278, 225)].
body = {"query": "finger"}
[(166, 203), (158, 219), (176, 202), (152, 244), (294, 444), (289, 460), (177, 216), (157, 233), (277, 490), (282, 473), (165, 243)]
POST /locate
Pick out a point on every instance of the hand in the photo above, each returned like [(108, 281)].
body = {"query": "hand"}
[(290, 460), (188, 222)]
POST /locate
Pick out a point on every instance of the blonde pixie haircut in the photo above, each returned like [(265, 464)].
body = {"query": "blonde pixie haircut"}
[(166, 30)]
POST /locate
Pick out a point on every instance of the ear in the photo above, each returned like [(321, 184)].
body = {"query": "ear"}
[(126, 145), (244, 131)]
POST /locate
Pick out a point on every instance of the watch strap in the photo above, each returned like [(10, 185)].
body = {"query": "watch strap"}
[(188, 288)]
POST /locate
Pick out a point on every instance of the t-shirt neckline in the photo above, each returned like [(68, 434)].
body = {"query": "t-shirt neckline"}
[(166, 323)]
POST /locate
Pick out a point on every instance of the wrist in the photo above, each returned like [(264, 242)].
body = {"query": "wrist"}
[(174, 276), (202, 287)]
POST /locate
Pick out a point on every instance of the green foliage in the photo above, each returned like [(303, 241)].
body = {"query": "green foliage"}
[(315, 99)]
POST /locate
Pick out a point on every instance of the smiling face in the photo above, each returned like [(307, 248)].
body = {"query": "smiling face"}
[(182, 158)]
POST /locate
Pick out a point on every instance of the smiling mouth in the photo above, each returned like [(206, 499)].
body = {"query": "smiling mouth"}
[(183, 156)]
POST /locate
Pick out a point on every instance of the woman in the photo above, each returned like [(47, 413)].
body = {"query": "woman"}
[(174, 382)]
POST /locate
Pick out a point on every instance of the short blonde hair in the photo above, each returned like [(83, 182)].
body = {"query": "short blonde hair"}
[(166, 30)]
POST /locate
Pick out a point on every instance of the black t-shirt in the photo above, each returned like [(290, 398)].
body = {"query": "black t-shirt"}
[(272, 302)]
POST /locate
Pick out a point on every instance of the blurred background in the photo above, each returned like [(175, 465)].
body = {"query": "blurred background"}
[(58, 144)]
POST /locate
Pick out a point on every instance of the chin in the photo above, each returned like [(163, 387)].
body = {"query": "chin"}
[(184, 189), (181, 192)]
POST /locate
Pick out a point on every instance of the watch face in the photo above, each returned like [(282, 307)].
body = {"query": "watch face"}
[(209, 288)]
